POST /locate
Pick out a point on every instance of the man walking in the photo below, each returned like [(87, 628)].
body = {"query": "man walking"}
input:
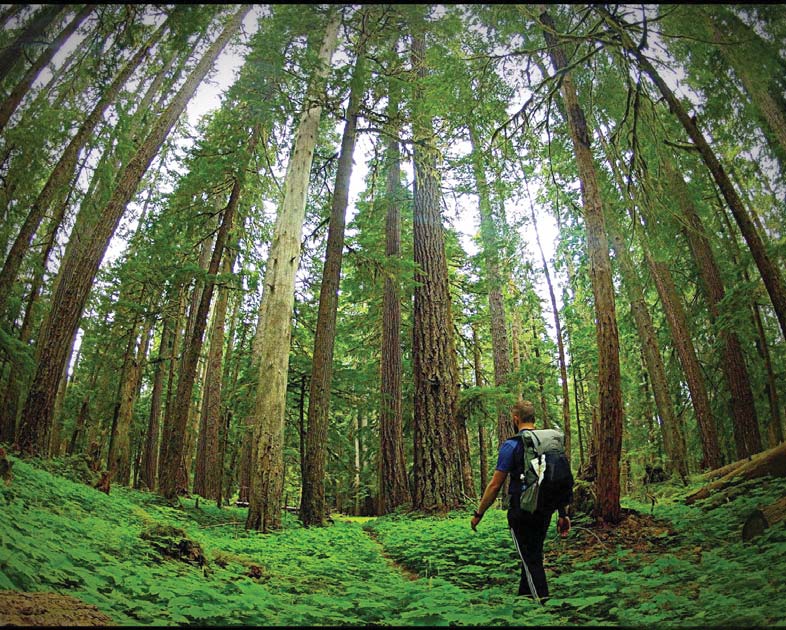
[(529, 528)]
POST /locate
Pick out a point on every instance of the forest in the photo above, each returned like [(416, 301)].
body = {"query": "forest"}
[(273, 276)]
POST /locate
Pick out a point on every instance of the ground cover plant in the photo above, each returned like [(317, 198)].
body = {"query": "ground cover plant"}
[(140, 560)]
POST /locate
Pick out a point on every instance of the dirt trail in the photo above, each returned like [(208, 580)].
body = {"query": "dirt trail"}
[(400, 568)]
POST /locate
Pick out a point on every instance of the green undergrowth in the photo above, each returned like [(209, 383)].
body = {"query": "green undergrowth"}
[(689, 569), (143, 561), (63, 536)]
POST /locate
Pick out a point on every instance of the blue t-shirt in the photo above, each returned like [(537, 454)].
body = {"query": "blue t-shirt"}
[(507, 461)]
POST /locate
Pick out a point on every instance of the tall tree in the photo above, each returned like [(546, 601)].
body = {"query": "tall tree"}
[(81, 262), (609, 379), (563, 369), (64, 168), (149, 464), (274, 326), (32, 32), (11, 102), (436, 472), (491, 251), (175, 452), (745, 422), (770, 273), (393, 484), (312, 502)]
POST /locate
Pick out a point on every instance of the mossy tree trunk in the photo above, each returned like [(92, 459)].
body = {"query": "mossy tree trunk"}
[(275, 318)]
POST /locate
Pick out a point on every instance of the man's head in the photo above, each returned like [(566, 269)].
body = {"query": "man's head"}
[(522, 412)]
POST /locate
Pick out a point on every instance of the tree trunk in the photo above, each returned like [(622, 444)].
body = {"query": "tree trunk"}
[(393, 484), (64, 170), (33, 31), (673, 436), (743, 407), (149, 464), (771, 462), (211, 406), (671, 428), (120, 454), (11, 102), (175, 450), (491, 247), (563, 370), (178, 338), (482, 455), (770, 273), (609, 379), (574, 369), (683, 343), (436, 471), (313, 508), (274, 328), (774, 428), (78, 269), (246, 461)]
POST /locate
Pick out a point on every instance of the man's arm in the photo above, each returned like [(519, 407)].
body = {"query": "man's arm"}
[(489, 495)]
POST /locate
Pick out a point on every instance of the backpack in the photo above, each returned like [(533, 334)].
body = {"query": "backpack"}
[(545, 467)]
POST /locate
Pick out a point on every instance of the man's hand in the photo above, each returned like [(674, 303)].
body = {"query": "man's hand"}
[(474, 523), (563, 525)]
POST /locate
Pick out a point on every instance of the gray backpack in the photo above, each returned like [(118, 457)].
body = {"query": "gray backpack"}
[(546, 448)]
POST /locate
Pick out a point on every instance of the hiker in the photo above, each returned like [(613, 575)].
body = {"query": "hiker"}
[(554, 492)]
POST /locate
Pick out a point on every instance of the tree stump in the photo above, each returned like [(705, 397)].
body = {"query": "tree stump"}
[(763, 518)]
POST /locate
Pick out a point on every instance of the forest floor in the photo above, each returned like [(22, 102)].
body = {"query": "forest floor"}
[(138, 560)]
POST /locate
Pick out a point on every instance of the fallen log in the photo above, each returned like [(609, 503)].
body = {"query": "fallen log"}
[(717, 473), (771, 462), (763, 518)]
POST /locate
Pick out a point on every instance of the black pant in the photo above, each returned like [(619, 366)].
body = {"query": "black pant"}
[(529, 532)]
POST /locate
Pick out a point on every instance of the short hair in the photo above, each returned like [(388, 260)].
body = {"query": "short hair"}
[(524, 410)]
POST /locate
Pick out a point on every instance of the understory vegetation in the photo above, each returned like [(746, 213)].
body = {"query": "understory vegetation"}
[(141, 560)]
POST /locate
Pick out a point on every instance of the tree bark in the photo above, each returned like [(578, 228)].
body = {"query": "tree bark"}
[(78, 269), (673, 436), (482, 454), (609, 379), (393, 483), (770, 273), (436, 472), (274, 328), (178, 338), (11, 102), (149, 464), (313, 508), (120, 455), (683, 343), (211, 406), (63, 170)]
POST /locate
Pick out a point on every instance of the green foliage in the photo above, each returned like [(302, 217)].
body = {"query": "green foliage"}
[(401, 569)]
